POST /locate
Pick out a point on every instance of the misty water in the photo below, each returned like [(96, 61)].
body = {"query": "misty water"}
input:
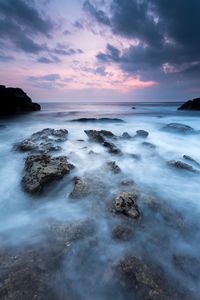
[(87, 270)]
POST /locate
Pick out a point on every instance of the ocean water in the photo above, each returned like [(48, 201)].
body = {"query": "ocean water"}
[(22, 216)]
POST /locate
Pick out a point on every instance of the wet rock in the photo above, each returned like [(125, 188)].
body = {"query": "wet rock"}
[(99, 135), (133, 107), (170, 215), (26, 145), (142, 133), (15, 101), (81, 188), (135, 156), (147, 281), (122, 233), (128, 182), (59, 135), (181, 165), (113, 167), (125, 203), (99, 120), (112, 148), (126, 135), (192, 160), (191, 105), (188, 265), (178, 128), (33, 272), (43, 141), (73, 231), (41, 170), (101, 138), (149, 145)]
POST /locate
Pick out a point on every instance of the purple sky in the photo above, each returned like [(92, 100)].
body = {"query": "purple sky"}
[(112, 50)]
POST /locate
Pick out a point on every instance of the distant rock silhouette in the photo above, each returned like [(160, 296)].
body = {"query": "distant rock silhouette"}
[(14, 101), (191, 105)]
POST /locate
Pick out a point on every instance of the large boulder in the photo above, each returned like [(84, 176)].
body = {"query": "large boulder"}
[(14, 101), (40, 170), (191, 105)]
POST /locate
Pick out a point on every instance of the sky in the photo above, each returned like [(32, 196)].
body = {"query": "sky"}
[(101, 50)]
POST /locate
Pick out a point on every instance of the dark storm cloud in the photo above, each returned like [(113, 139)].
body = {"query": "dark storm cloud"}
[(21, 22), (167, 35), (98, 14)]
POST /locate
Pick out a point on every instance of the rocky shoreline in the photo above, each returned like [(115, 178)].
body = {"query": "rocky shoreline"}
[(15, 101), (28, 272)]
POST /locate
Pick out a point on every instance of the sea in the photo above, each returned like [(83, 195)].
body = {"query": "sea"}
[(158, 236)]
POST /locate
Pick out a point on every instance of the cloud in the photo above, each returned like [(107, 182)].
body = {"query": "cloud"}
[(48, 77), (5, 58), (78, 25), (98, 14), (166, 33), (46, 60), (21, 22)]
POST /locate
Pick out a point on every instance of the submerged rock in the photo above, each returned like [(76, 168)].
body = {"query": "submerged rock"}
[(142, 133), (178, 128), (126, 135), (81, 188), (113, 167), (122, 233), (15, 101), (125, 203), (191, 105), (149, 145), (192, 160), (148, 281), (99, 120), (181, 165), (41, 170)]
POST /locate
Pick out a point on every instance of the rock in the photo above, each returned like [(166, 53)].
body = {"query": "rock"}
[(188, 265), (26, 145), (81, 188), (122, 233), (15, 101), (125, 203), (43, 141), (191, 105), (128, 182), (41, 170), (73, 231), (181, 165), (149, 145), (113, 167), (112, 148), (149, 281), (178, 128), (170, 215), (135, 156), (133, 107), (192, 160), (126, 135), (99, 120), (47, 134), (142, 133), (100, 137)]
